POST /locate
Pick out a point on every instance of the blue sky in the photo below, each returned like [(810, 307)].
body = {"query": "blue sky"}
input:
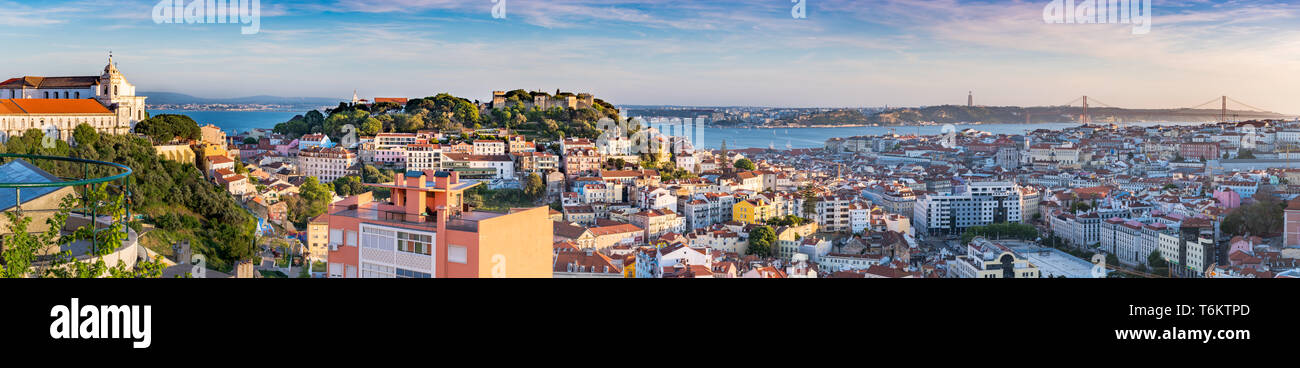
[(751, 52)]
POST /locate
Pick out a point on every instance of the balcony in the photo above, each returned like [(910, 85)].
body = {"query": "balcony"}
[(429, 222)]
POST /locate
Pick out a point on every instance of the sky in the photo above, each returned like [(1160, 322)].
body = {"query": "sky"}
[(844, 53)]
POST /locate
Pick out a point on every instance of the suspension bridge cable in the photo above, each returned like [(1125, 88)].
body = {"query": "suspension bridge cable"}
[(1216, 99), (1247, 106), (1103, 104)]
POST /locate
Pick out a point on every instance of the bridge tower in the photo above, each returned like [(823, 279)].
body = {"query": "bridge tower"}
[(1086, 119), (1223, 114)]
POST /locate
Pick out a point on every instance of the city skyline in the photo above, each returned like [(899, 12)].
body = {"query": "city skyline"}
[(715, 53)]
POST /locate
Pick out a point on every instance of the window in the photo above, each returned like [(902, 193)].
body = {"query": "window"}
[(336, 236), (415, 243), (408, 274), (457, 254), (373, 271)]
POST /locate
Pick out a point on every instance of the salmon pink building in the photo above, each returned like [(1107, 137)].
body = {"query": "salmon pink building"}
[(425, 230)]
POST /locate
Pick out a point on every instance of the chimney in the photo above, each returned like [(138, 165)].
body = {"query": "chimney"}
[(441, 239), (419, 182), (443, 182)]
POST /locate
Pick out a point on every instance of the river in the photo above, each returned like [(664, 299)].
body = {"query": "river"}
[(241, 121)]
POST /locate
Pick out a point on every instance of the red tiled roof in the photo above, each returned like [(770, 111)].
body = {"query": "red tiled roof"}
[(396, 100), (25, 106)]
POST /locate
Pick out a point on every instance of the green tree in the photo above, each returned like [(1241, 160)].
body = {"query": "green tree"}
[(1158, 264), (85, 135), (1261, 217), (167, 127), (534, 187), (745, 164), (348, 186), (1079, 207), (313, 199), (810, 200), (370, 174), (250, 140), (761, 241)]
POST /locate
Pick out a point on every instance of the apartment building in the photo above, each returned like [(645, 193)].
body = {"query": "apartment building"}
[(980, 203), (328, 164), (423, 231)]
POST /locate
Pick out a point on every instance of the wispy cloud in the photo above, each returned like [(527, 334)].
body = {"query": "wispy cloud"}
[(848, 52)]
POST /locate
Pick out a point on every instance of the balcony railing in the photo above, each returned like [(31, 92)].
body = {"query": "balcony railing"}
[(428, 221)]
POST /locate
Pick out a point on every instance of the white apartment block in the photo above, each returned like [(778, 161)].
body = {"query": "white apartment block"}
[(484, 148), (395, 140), (833, 213), (981, 203), (328, 164), (1077, 230), (380, 255), (420, 157)]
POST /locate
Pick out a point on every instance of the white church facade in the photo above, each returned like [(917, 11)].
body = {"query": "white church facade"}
[(106, 102)]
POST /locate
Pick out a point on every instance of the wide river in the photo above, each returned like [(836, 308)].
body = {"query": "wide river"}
[(241, 121)]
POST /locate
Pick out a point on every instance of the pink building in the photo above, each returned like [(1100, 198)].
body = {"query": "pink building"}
[(1228, 198), (1292, 224), (425, 230)]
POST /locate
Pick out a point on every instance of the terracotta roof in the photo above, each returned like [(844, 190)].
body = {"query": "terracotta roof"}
[(615, 229), (50, 82), (566, 230), (584, 262), (396, 100), (51, 106)]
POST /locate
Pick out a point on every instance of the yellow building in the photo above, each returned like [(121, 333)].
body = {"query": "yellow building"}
[(318, 239), (210, 149), (752, 211)]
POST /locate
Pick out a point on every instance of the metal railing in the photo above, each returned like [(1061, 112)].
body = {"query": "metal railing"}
[(91, 210), (428, 221)]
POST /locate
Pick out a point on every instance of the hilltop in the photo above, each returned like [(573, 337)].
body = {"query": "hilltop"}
[(520, 110)]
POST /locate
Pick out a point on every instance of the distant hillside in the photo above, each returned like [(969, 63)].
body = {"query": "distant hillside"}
[(1016, 115), (170, 98)]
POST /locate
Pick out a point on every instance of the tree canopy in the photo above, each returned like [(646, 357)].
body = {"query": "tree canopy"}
[(745, 164), (167, 127), (761, 241)]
